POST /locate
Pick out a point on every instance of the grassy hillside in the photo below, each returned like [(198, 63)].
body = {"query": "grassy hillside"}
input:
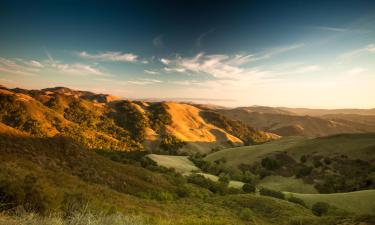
[(250, 154), (355, 146), (180, 163), (288, 184), (360, 202), (338, 163), (58, 175)]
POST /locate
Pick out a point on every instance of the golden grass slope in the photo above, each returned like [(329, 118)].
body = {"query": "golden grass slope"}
[(189, 126)]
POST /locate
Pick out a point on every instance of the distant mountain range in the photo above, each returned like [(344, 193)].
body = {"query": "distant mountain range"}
[(304, 122)]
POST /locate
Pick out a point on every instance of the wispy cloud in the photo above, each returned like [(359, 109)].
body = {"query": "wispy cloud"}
[(35, 63), (174, 69), (151, 72), (76, 69), (333, 29), (33, 67), (218, 66), (358, 52), (158, 41), (110, 56), (18, 67), (356, 71), (130, 82), (165, 61), (280, 50), (199, 40)]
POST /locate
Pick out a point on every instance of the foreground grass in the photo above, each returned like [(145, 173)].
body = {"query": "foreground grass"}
[(86, 218)]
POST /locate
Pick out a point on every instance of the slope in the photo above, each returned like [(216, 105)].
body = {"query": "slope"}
[(284, 123)]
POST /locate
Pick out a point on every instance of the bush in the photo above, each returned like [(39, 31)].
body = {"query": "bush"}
[(297, 201), (246, 214), (223, 178), (30, 193), (271, 193), (203, 182), (171, 144), (320, 208), (248, 188), (303, 171), (158, 195), (270, 163)]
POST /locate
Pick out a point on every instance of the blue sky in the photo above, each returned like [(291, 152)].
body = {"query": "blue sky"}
[(278, 53)]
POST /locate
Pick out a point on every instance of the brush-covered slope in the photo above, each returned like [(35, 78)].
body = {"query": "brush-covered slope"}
[(99, 121), (338, 163), (288, 123), (57, 175)]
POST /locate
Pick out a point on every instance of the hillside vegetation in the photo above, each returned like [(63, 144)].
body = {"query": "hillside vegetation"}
[(100, 121), (339, 163), (56, 175)]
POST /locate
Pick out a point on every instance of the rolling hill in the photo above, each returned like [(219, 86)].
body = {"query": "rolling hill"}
[(100, 121), (338, 163), (57, 175), (289, 122)]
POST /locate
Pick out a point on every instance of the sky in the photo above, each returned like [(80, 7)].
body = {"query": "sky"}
[(315, 54)]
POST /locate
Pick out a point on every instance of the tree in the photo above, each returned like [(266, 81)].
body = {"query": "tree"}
[(248, 188), (271, 193), (223, 178), (270, 164)]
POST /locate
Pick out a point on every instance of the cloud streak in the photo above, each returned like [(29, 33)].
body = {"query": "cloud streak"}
[(358, 52), (34, 67), (110, 56), (199, 40), (151, 72)]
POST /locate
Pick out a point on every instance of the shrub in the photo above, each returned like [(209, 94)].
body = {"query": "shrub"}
[(320, 208), (213, 186), (158, 195), (159, 116), (303, 171), (171, 144), (248, 188), (297, 201), (271, 193), (223, 178), (30, 193), (246, 214), (270, 163)]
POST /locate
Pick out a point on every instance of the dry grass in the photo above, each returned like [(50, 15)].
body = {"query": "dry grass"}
[(180, 163)]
